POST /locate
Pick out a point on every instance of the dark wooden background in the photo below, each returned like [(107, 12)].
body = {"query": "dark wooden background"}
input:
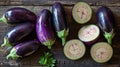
[(36, 6)]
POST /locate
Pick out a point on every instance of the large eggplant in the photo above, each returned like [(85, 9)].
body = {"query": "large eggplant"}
[(24, 49), (18, 33), (18, 15), (106, 22), (60, 23), (44, 28)]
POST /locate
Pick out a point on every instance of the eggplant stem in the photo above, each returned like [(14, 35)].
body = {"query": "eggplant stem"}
[(63, 40), (13, 54), (6, 42), (109, 36), (63, 34), (3, 19), (49, 43)]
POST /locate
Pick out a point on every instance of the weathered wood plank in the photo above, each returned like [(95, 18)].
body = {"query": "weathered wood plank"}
[(65, 2), (57, 50)]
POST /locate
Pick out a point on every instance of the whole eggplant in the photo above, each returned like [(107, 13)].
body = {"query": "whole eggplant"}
[(18, 33), (18, 15), (106, 22), (44, 28), (23, 49), (60, 23)]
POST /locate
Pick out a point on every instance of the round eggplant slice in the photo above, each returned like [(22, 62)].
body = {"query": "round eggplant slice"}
[(89, 33), (82, 12), (101, 52), (74, 49)]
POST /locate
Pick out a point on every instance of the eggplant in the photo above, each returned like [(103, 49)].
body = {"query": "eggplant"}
[(60, 23), (44, 28), (106, 22), (18, 33), (18, 15), (23, 49)]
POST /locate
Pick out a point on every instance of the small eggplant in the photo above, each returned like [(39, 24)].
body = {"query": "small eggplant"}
[(44, 28), (17, 33), (18, 15), (60, 23), (106, 22), (23, 49)]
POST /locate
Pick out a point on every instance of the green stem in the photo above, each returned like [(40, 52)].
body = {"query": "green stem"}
[(49, 43), (63, 34), (13, 54), (63, 40), (6, 42), (109, 36), (3, 19)]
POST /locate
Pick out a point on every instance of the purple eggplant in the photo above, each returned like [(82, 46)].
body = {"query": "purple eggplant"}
[(18, 33), (18, 15), (23, 49), (44, 28), (106, 22), (60, 23)]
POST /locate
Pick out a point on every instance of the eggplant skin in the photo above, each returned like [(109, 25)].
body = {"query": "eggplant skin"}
[(23, 49), (59, 21), (44, 28), (19, 15), (27, 48), (59, 18), (19, 32), (106, 19), (106, 22)]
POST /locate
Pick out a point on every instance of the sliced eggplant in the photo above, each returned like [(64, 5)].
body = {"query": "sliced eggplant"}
[(18, 33), (44, 29), (23, 49), (89, 33), (60, 23), (106, 22), (18, 15), (101, 52), (82, 12), (74, 49)]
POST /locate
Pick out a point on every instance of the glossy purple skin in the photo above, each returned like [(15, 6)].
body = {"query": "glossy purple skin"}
[(59, 18), (19, 32), (106, 20), (27, 48), (19, 15), (44, 27)]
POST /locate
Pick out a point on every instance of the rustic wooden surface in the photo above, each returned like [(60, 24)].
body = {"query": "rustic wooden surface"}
[(36, 6)]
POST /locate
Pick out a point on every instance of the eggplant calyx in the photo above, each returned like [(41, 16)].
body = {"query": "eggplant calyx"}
[(3, 19), (49, 43), (13, 54), (6, 42), (109, 36), (63, 34)]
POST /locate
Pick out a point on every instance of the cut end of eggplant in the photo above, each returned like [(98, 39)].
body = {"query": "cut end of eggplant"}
[(82, 12), (3, 19), (89, 33), (101, 52), (63, 34), (6, 42), (13, 54), (74, 49)]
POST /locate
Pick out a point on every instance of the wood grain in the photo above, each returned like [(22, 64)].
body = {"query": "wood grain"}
[(65, 2), (57, 49)]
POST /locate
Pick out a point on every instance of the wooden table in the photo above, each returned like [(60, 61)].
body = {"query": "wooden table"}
[(36, 6)]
